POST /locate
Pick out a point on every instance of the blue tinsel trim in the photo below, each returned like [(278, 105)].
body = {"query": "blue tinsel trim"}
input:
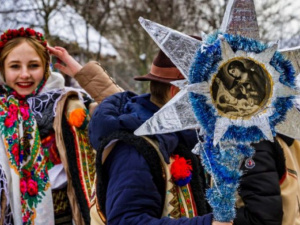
[(238, 42), (222, 172), (224, 165), (204, 112), (285, 68), (216, 160), (221, 204), (213, 37), (282, 105), (243, 134), (246, 150), (205, 63)]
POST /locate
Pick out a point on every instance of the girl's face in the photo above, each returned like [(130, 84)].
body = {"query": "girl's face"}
[(23, 69), (235, 72)]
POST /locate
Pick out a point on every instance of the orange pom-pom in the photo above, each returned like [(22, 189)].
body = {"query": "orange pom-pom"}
[(181, 168), (77, 117)]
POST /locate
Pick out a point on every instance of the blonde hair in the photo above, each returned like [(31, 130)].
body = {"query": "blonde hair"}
[(34, 43)]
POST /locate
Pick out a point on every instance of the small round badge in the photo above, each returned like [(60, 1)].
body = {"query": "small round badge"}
[(249, 163)]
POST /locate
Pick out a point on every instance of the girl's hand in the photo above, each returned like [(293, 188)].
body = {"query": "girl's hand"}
[(70, 67)]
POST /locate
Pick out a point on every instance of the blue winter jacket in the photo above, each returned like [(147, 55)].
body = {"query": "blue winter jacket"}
[(132, 197)]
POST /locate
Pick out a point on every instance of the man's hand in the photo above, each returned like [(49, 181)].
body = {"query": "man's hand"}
[(221, 223), (70, 67)]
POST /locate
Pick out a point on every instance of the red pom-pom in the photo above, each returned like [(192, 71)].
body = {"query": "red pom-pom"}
[(181, 168)]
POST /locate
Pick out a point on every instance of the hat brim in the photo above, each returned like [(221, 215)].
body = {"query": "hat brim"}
[(150, 77)]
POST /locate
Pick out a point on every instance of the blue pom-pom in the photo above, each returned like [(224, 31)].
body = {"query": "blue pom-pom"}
[(183, 182)]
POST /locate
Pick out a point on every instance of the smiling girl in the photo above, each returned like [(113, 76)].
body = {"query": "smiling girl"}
[(23, 74), (46, 162)]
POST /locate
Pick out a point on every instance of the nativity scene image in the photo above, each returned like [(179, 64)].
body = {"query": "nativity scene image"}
[(240, 88)]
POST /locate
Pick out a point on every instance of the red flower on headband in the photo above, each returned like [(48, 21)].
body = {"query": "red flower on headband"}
[(14, 33), (39, 34), (22, 32), (28, 32), (3, 37), (8, 32)]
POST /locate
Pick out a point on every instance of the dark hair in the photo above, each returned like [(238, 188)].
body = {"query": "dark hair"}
[(236, 64), (159, 91)]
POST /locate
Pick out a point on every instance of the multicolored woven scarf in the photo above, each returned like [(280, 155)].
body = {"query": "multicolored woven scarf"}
[(26, 156)]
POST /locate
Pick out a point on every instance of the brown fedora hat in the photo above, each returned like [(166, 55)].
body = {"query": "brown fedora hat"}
[(162, 70)]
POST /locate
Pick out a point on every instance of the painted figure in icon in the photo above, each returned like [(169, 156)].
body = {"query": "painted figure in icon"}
[(245, 94)]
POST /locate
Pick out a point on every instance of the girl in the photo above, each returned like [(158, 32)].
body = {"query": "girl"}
[(45, 156)]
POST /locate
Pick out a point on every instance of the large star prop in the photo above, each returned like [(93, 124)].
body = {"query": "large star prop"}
[(231, 112)]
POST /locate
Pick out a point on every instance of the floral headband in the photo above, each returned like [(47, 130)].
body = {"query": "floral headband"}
[(21, 32)]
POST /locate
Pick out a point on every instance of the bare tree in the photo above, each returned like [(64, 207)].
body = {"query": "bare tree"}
[(278, 19), (188, 16), (134, 44), (117, 20)]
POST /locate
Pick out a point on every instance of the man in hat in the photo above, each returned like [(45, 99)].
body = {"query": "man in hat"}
[(146, 180)]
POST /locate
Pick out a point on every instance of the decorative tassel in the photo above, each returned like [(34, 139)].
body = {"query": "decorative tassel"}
[(181, 170), (78, 118)]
